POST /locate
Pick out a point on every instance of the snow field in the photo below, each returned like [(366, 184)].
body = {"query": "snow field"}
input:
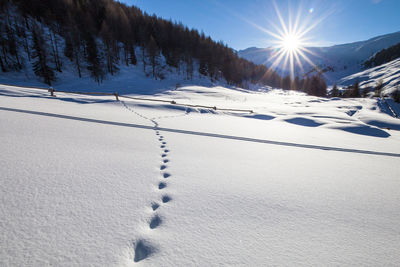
[(76, 192)]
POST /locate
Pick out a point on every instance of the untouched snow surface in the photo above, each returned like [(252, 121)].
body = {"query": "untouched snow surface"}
[(93, 182)]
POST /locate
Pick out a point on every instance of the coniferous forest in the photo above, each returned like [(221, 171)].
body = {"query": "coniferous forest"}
[(383, 56), (99, 35)]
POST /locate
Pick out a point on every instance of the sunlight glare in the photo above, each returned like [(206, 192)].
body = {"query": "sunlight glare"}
[(291, 43)]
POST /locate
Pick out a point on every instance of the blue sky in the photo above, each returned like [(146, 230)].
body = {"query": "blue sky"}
[(240, 23)]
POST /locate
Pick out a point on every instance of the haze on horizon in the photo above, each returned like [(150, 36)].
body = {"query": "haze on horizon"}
[(240, 24)]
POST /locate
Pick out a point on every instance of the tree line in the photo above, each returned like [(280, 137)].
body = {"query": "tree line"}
[(354, 91), (383, 56)]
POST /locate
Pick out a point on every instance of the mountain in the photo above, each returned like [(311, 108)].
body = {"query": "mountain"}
[(336, 61)]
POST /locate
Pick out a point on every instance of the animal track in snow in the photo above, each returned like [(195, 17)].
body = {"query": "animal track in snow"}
[(166, 199), (155, 206), (155, 222), (162, 185), (142, 250)]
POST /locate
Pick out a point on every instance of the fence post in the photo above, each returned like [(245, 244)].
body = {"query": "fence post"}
[(116, 96), (51, 90)]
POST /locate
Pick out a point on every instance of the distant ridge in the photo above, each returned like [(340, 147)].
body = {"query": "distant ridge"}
[(339, 60)]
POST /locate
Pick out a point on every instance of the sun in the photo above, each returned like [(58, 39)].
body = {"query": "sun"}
[(291, 43)]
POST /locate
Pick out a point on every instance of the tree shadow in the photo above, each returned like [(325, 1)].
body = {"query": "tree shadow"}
[(365, 130), (260, 117), (79, 100), (304, 122)]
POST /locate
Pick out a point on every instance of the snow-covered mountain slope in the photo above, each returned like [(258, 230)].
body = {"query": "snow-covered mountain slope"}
[(338, 61), (389, 73), (301, 181)]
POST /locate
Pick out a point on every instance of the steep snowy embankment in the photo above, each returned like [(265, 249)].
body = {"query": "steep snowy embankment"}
[(389, 73), (302, 181)]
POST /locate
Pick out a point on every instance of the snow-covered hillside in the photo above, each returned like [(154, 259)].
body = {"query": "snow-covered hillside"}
[(129, 79), (301, 181), (389, 73), (338, 61)]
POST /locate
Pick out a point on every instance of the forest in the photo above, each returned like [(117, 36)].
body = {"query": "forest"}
[(383, 56), (99, 35)]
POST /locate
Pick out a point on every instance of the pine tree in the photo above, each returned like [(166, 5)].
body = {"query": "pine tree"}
[(153, 54), (41, 66), (355, 90), (396, 94), (110, 53), (94, 63), (335, 91), (132, 55), (316, 85), (378, 88)]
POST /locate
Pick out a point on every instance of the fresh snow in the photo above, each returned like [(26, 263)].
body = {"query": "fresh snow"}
[(90, 181)]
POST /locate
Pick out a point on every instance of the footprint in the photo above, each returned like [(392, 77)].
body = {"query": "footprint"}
[(164, 143), (155, 206), (142, 250), (166, 175), (166, 160), (155, 222), (166, 150), (163, 155), (162, 185), (166, 199), (163, 167), (162, 146)]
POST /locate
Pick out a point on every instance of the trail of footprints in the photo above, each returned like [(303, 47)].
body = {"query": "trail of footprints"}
[(142, 248)]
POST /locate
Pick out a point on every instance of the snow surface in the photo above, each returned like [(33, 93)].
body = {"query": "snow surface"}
[(89, 181)]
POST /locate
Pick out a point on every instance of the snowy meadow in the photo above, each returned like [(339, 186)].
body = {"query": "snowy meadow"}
[(302, 180)]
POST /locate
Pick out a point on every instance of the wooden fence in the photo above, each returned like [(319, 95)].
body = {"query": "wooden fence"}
[(117, 96)]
